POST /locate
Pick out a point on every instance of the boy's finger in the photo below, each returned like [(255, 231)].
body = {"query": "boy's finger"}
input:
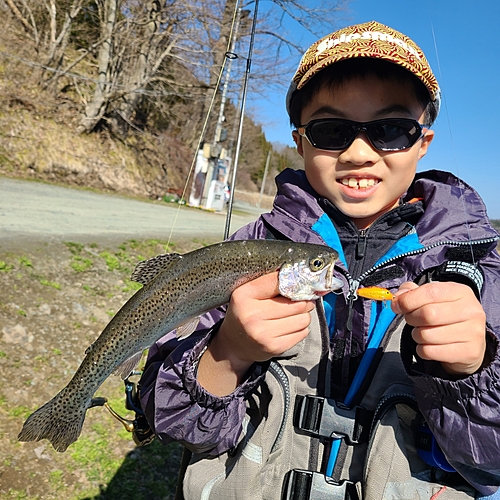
[(264, 287), (404, 288), (430, 293)]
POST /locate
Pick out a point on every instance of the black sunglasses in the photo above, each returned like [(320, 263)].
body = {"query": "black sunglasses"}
[(388, 134)]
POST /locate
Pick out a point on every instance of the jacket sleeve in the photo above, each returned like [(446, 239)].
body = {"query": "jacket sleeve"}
[(176, 406), (468, 407)]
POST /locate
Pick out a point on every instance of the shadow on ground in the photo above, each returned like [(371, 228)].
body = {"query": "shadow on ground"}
[(147, 473)]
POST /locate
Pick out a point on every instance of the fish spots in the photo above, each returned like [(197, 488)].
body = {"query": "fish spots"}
[(203, 280)]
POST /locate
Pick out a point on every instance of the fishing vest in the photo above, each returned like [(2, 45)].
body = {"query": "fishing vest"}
[(291, 424)]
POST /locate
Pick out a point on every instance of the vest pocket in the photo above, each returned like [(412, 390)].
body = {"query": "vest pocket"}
[(393, 467)]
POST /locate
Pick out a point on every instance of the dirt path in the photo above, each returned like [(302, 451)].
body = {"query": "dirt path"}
[(65, 260)]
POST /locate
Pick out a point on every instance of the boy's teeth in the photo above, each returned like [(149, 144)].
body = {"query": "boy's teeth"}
[(358, 183)]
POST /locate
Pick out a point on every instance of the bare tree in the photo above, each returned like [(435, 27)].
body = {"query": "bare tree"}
[(147, 56), (97, 106), (48, 25), (138, 61), (136, 56)]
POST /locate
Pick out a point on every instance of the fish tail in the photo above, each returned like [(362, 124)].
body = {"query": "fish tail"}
[(57, 421)]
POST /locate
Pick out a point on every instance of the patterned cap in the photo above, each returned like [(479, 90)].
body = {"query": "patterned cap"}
[(371, 39)]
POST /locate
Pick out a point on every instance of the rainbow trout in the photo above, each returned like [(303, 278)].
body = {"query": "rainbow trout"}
[(177, 290)]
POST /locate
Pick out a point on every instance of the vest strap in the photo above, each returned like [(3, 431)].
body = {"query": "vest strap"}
[(308, 485), (328, 418)]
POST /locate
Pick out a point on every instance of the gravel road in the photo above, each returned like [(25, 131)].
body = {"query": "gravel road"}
[(31, 212)]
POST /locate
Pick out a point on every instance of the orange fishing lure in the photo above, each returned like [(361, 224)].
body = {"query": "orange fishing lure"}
[(375, 293)]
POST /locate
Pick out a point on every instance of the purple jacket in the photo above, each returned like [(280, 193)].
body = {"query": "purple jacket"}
[(179, 409)]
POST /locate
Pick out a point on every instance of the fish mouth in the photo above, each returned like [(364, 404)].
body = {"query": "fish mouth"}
[(299, 282), (326, 282), (331, 282)]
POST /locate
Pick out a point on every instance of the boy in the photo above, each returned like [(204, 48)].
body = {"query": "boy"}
[(348, 397)]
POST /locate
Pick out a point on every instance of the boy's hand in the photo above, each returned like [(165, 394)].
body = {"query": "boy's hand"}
[(449, 324), (259, 324)]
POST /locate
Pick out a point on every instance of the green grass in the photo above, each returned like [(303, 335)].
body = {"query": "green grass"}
[(20, 411), (74, 248), (4, 267), (47, 282), (111, 261), (19, 495), (56, 479), (81, 264), (24, 262), (131, 286), (93, 453), (100, 454), (148, 473)]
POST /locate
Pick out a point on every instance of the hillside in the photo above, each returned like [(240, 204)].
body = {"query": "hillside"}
[(41, 138)]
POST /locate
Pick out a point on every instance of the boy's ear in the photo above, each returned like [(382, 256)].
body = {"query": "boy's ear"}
[(297, 138), (426, 140)]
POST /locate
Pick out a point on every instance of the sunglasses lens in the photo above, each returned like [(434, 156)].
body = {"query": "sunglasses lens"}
[(331, 134), (386, 135), (393, 135)]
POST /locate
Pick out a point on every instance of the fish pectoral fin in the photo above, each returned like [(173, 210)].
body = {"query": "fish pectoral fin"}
[(127, 367), (187, 328), (147, 270)]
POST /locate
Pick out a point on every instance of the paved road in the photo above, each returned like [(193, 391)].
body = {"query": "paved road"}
[(31, 212)]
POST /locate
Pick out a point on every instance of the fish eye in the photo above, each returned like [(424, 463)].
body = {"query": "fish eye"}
[(317, 264)]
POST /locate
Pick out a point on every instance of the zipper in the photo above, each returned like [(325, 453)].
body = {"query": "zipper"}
[(425, 249), (355, 283), (387, 401), (279, 374), (383, 405), (361, 244), (351, 297)]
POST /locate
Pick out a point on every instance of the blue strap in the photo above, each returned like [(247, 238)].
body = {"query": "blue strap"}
[(384, 319), (381, 317), (325, 228)]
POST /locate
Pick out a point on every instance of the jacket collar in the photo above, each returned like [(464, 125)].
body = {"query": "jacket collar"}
[(447, 200)]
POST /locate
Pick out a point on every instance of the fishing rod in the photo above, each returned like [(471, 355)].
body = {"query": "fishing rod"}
[(240, 125), (228, 55)]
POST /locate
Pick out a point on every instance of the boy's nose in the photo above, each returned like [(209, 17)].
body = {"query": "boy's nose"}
[(359, 152)]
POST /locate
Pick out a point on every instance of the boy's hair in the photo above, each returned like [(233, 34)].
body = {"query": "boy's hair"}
[(380, 50), (339, 74)]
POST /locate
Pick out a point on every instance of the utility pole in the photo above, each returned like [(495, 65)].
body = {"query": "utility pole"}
[(220, 133)]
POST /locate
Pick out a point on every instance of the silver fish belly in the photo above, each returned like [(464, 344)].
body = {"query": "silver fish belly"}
[(177, 288)]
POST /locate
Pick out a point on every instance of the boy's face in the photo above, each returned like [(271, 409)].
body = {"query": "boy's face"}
[(361, 181)]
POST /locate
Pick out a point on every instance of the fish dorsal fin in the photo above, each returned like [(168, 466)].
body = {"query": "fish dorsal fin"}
[(147, 270), (187, 328), (127, 367)]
